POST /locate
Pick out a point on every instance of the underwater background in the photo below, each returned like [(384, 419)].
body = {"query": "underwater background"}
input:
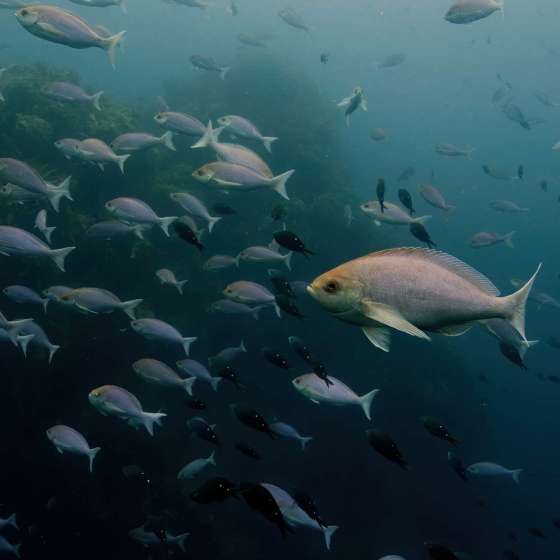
[(440, 93)]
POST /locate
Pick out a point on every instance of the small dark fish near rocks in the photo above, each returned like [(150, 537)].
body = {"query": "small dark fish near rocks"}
[(421, 233), (324, 58), (215, 490), (187, 234), (248, 451), (437, 429), (406, 200), (292, 242), (275, 358), (288, 305), (512, 354), (252, 419), (385, 445), (258, 498)]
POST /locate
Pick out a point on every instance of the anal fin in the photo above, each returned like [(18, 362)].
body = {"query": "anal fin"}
[(455, 330), (380, 337)]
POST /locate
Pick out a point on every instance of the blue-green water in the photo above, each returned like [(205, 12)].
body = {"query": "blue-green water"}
[(441, 93)]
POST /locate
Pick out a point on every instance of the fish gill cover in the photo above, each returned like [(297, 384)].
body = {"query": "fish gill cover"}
[(251, 341)]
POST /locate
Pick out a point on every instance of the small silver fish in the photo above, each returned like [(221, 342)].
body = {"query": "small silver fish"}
[(65, 92), (158, 373), (132, 142), (240, 126), (25, 295), (138, 212), (168, 277), (41, 225), (196, 207), (155, 329), (97, 300), (68, 440)]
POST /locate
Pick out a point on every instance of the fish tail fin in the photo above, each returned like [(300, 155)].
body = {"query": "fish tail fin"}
[(242, 346), (208, 138), (277, 309), (111, 43), (223, 72), (167, 140), (180, 286), (139, 232), (525, 345), (12, 521), (188, 384), (288, 260), (14, 327), (212, 458), (366, 400), (516, 302), (151, 418), (45, 303), (53, 348), (516, 474), (215, 381), (508, 239), (95, 99), (15, 550), (64, 187), (328, 532), (421, 219), (23, 341), (267, 141), (187, 341), (91, 454), (121, 160), (47, 232), (304, 441), (278, 183), (59, 256), (164, 223), (212, 222), (255, 312), (179, 540), (129, 307)]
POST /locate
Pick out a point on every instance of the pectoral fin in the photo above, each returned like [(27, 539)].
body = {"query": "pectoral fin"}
[(456, 330), (48, 28), (389, 316), (228, 183), (379, 337)]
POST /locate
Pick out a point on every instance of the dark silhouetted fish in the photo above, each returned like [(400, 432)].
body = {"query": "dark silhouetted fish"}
[(512, 354), (195, 403), (440, 552), (258, 498), (247, 450), (385, 445), (252, 419), (275, 358), (307, 504), (214, 490), (289, 306), (223, 209), (280, 283), (230, 374), (380, 191), (458, 466), (292, 242), (187, 234), (421, 233), (406, 200), (437, 429)]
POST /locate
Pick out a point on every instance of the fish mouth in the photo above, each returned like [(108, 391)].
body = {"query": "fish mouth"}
[(310, 290)]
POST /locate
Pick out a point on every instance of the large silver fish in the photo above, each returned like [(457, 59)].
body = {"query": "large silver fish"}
[(65, 28), (468, 11), (415, 290)]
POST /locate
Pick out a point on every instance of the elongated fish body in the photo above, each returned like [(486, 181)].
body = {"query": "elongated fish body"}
[(138, 212), (209, 64), (22, 175), (489, 238), (451, 150), (335, 393), (15, 241), (219, 262), (40, 339), (158, 373), (415, 290), (23, 294), (97, 151), (233, 153), (180, 123), (132, 142), (66, 92), (264, 254), (68, 440), (295, 515), (240, 126), (97, 300), (434, 197), (229, 307), (63, 27), (507, 206), (391, 214), (155, 329), (198, 371), (101, 3), (234, 177), (111, 229), (469, 11), (493, 470), (116, 401), (196, 207), (194, 468), (285, 430), (293, 19)]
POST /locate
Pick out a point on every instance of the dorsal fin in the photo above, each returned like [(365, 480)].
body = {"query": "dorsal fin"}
[(446, 261)]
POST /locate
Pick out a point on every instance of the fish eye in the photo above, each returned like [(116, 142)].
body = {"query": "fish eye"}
[(200, 172), (297, 381), (331, 287), (24, 12)]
